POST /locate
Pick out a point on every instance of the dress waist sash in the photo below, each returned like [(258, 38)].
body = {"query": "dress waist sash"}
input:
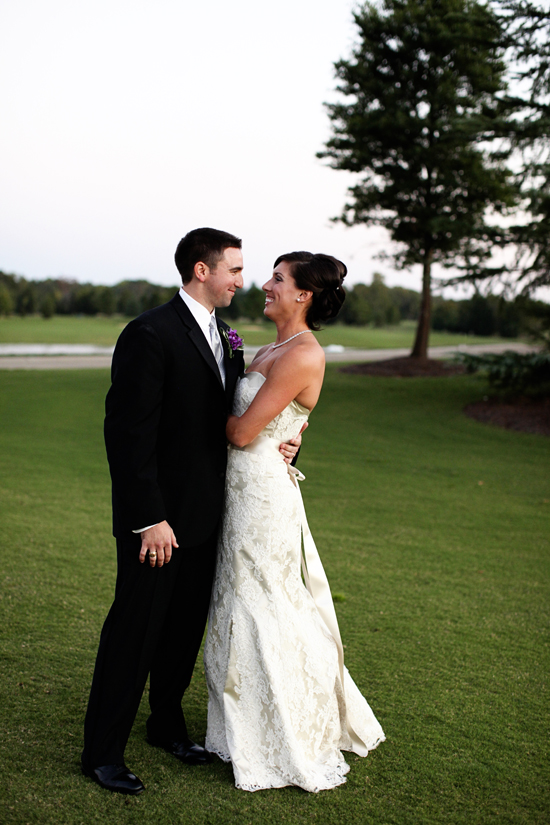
[(262, 445), (314, 574)]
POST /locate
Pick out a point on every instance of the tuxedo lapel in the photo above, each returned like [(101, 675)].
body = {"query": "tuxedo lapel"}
[(234, 362), (196, 335)]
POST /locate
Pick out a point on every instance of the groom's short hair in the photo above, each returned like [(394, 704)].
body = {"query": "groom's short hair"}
[(205, 245)]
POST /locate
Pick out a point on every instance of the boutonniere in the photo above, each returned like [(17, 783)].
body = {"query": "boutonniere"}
[(232, 339)]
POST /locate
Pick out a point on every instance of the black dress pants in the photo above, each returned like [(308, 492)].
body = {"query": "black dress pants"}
[(155, 626)]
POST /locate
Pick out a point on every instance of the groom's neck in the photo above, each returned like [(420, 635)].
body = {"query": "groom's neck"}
[(195, 290)]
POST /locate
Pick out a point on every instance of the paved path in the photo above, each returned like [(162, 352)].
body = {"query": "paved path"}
[(84, 356), (358, 355), (55, 362)]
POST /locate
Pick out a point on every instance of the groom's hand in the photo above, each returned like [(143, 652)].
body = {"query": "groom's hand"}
[(290, 448), (157, 541)]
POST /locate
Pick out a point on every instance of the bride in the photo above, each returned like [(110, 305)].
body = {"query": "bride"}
[(282, 706)]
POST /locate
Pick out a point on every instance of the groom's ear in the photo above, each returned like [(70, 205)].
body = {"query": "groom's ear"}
[(201, 271)]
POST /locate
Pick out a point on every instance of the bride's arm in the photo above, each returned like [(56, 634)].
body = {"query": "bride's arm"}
[(297, 371)]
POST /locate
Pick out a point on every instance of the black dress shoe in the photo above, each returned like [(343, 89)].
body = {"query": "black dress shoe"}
[(185, 750), (117, 778)]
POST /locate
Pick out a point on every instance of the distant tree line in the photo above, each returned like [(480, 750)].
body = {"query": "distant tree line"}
[(61, 296), (366, 304)]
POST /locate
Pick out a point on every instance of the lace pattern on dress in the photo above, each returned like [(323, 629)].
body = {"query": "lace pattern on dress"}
[(276, 706)]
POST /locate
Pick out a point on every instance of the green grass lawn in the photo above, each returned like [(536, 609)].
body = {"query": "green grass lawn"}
[(61, 329), (67, 329), (434, 529), (401, 335)]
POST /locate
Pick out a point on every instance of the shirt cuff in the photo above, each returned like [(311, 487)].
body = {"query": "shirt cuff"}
[(141, 529)]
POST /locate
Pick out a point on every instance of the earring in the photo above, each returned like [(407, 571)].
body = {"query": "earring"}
[(298, 300)]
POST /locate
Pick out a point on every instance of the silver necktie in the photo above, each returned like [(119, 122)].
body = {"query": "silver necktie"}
[(217, 348)]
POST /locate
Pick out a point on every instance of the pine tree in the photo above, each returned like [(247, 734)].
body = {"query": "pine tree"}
[(526, 36), (527, 28), (420, 126)]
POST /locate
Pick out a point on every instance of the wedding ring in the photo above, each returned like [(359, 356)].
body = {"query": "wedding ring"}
[(152, 554)]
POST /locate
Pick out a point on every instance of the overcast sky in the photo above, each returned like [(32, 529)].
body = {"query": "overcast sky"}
[(125, 123)]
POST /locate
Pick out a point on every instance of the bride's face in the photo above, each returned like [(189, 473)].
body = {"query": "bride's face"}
[(282, 296)]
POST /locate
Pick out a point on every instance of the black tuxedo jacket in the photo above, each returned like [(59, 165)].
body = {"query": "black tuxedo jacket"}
[(165, 420)]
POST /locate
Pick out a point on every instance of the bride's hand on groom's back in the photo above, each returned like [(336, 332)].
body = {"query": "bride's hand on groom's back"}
[(290, 449)]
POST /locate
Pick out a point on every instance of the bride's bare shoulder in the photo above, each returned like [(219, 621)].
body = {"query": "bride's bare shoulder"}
[(312, 348), (307, 354)]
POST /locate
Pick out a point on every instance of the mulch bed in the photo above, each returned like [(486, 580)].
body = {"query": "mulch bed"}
[(524, 414), (527, 415)]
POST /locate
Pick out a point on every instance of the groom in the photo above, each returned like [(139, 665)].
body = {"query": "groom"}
[(173, 377)]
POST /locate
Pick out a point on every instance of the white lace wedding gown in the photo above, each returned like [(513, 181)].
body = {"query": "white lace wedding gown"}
[(273, 656)]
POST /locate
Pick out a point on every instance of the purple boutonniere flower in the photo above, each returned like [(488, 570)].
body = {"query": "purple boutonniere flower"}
[(233, 339)]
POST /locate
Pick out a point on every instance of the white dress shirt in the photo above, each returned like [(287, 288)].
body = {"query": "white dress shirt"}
[(202, 316)]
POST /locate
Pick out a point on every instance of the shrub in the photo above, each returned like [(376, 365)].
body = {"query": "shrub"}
[(512, 372), (6, 302), (47, 306)]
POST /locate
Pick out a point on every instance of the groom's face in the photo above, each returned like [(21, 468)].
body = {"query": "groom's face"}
[(223, 281)]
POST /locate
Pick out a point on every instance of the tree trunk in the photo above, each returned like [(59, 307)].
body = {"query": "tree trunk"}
[(420, 348)]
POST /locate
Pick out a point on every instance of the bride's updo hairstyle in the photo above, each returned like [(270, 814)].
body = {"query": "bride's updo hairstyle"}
[(322, 275)]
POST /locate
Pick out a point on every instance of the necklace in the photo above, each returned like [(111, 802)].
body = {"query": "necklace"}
[(274, 346)]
